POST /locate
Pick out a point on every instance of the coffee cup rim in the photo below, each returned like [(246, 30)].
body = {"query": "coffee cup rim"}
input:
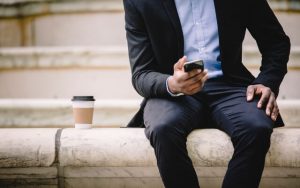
[(83, 98)]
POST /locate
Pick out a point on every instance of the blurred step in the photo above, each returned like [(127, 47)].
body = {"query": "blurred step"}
[(115, 57), (16, 8), (12, 8), (51, 113), (88, 23), (61, 72), (57, 113)]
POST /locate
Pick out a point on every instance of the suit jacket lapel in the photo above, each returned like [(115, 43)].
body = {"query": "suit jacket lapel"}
[(171, 10)]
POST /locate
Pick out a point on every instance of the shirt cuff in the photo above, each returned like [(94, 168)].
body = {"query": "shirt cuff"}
[(172, 94)]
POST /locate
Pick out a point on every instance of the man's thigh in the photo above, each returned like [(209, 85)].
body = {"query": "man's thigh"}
[(181, 113), (234, 114)]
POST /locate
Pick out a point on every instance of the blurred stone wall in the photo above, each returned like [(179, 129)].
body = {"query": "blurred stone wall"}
[(83, 41), (72, 22)]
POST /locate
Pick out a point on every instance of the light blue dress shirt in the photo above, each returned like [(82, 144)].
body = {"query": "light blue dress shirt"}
[(200, 30)]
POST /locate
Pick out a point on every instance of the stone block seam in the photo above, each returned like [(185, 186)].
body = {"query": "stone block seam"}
[(60, 170)]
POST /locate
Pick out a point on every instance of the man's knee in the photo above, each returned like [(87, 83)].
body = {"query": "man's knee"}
[(158, 131), (164, 132), (256, 132)]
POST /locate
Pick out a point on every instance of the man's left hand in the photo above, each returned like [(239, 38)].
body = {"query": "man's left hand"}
[(267, 99)]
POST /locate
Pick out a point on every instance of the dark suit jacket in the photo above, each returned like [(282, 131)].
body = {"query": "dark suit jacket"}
[(155, 43)]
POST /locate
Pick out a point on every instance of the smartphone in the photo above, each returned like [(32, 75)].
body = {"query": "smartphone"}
[(197, 64)]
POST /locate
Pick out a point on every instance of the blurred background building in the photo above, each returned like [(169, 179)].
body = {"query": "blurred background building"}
[(54, 49), (60, 48)]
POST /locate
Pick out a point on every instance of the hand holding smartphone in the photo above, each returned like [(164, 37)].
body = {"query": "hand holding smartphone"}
[(191, 65)]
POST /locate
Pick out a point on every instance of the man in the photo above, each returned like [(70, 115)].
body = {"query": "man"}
[(162, 35)]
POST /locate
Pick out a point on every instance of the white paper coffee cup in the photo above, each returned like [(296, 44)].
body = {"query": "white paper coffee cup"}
[(83, 111)]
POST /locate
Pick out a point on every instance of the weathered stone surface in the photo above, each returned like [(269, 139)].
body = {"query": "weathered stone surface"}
[(123, 157), (285, 148), (27, 147), (280, 183), (150, 172), (207, 147), (214, 182), (29, 183), (28, 173), (140, 176), (109, 147), (111, 172), (113, 182)]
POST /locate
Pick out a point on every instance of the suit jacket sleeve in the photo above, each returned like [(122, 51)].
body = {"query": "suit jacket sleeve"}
[(272, 42), (146, 78)]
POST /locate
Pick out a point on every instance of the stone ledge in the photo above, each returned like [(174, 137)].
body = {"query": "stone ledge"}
[(207, 148), (54, 113), (27, 147), (129, 147), (32, 172), (112, 57), (148, 177), (110, 157)]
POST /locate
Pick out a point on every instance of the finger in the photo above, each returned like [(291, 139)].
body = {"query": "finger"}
[(196, 78), (204, 79), (264, 98), (193, 73), (270, 105), (275, 112), (250, 92), (180, 63), (194, 90), (196, 87)]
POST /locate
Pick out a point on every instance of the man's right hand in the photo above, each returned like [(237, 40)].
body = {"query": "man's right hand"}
[(187, 83)]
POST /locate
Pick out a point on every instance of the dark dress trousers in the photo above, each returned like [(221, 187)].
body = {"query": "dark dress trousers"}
[(155, 44)]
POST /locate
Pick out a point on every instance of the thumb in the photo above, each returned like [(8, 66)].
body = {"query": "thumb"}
[(250, 92), (180, 63)]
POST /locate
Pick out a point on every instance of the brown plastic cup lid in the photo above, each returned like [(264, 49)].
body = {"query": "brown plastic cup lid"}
[(83, 98)]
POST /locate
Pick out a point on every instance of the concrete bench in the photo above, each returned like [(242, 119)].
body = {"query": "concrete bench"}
[(123, 157)]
